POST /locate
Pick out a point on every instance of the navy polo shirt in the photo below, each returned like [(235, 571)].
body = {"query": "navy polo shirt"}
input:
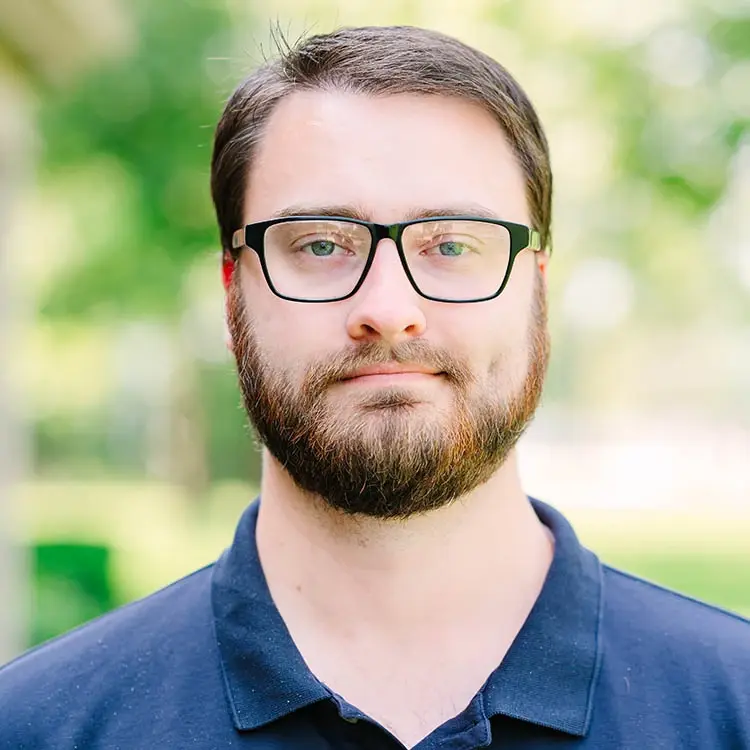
[(604, 661)]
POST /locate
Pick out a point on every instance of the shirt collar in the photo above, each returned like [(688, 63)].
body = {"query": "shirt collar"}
[(549, 674), (547, 677), (264, 673)]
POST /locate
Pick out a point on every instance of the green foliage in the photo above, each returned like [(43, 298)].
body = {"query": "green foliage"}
[(731, 36), (71, 586), (230, 444), (149, 120)]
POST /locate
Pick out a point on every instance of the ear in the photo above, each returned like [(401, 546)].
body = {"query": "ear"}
[(227, 271), (542, 260)]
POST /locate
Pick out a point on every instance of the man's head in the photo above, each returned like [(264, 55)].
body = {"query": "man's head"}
[(385, 125)]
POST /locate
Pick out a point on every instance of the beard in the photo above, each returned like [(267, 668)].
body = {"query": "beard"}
[(380, 455)]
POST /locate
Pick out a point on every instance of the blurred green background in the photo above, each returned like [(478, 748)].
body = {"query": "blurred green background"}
[(125, 459)]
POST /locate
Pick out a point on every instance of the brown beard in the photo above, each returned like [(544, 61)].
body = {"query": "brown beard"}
[(386, 461)]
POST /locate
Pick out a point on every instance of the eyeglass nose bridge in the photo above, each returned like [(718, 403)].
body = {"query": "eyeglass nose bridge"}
[(392, 232), (395, 233), (385, 232)]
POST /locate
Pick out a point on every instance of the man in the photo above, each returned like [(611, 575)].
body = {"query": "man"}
[(383, 198)]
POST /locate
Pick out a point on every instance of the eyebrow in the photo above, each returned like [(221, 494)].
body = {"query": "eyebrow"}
[(358, 212)]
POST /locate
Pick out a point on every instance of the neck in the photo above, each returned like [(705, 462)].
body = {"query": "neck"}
[(481, 559)]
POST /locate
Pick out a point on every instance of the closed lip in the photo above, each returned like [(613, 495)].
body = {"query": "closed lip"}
[(392, 369)]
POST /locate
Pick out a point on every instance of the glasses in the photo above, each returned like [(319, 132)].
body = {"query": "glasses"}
[(326, 258)]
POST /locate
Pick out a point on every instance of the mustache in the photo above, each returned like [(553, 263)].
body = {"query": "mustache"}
[(325, 373)]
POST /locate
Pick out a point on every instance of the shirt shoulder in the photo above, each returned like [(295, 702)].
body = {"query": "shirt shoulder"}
[(687, 619), (60, 691), (681, 642)]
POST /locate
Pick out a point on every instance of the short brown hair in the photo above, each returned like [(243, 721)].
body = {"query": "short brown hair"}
[(376, 60)]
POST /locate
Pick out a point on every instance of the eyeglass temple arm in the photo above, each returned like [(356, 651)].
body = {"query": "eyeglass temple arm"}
[(238, 238), (535, 240)]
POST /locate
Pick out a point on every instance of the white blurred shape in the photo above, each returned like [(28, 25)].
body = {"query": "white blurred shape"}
[(581, 155), (598, 295), (741, 258), (612, 21), (727, 8), (143, 359), (202, 324), (728, 229), (639, 460), (677, 57)]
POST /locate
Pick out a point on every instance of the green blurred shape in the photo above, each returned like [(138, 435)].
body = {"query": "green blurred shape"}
[(71, 585), (722, 579)]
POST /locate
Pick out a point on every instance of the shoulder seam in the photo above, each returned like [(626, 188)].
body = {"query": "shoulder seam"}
[(677, 594)]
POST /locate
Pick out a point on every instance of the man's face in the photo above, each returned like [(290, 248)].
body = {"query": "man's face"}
[(388, 445)]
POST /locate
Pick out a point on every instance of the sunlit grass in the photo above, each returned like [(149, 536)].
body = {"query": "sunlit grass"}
[(703, 554)]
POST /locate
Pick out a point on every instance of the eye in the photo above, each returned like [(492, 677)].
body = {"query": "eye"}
[(451, 248), (445, 248), (321, 248)]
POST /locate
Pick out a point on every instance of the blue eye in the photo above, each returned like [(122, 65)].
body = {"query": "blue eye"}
[(322, 248), (451, 248)]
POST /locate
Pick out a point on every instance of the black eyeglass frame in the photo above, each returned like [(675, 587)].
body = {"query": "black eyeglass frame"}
[(252, 236)]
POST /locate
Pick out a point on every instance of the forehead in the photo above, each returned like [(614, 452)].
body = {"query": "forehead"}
[(385, 155)]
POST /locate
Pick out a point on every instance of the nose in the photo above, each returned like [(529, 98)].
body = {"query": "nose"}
[(386, 306)]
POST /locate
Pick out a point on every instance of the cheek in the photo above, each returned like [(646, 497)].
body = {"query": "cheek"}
[(509, 359), (289, 334), (492, 336), (497, 348)]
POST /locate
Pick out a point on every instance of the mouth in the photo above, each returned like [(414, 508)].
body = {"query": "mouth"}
[(391, 373), (391, 378), (403, 377)]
